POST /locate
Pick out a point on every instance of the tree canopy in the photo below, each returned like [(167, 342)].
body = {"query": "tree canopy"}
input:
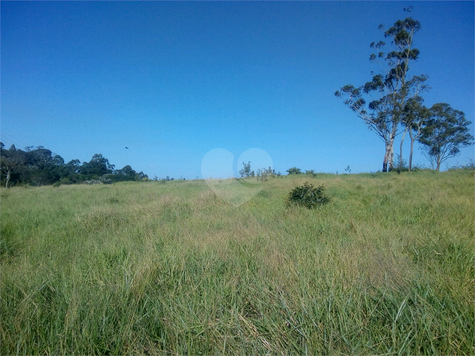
[(445, 132), (39, 166)]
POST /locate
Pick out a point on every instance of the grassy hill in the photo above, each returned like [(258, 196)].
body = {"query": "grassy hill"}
[(387, 267)]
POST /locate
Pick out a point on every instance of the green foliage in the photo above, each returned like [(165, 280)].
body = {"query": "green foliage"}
[(264, 174), (446, 131), (72, 179), (41, 167), (308, 196), (294, 170), (246, 172), (401, 164), (311, 173), (125, 174), (97, 166)]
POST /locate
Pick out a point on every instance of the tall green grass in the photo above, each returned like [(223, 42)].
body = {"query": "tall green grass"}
[(146, 268)]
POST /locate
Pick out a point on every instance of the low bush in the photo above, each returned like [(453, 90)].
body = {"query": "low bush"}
[(294, 170), (308, 195)]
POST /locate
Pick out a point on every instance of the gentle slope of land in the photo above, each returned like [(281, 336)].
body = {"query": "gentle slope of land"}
[(387, 267)]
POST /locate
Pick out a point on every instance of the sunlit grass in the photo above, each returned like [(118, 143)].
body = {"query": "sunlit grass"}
[(386, 268)]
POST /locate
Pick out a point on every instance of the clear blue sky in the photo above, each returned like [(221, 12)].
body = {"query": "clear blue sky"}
[(174, 80)]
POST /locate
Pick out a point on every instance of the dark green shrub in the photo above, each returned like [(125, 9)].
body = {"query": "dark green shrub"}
[(67, 180), (307, 195), (294, 170)]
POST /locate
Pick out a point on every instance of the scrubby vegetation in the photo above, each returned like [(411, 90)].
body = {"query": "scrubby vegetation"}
[(132, 268), (308, 195)]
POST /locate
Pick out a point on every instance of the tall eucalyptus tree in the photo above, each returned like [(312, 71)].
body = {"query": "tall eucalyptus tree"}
[(380, 102)]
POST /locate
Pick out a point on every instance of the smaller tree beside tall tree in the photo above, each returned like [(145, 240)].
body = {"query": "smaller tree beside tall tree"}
[(445, 132), (413, 114), (415, 118)]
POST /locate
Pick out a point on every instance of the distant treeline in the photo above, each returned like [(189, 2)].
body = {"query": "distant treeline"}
[(39, 166)]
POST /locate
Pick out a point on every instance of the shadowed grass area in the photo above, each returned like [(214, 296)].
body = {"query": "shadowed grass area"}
[(387, 267)]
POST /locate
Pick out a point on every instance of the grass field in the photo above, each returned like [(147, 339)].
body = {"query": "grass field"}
[(387, 267)]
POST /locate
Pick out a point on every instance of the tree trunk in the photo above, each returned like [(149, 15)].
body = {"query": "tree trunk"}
[(438, 164), (400, 149), (412, 150), (390, 153), (391, 159), (387, 164), (8, 179)]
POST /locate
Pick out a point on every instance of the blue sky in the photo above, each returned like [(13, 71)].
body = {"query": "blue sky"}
[(175, 80)]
